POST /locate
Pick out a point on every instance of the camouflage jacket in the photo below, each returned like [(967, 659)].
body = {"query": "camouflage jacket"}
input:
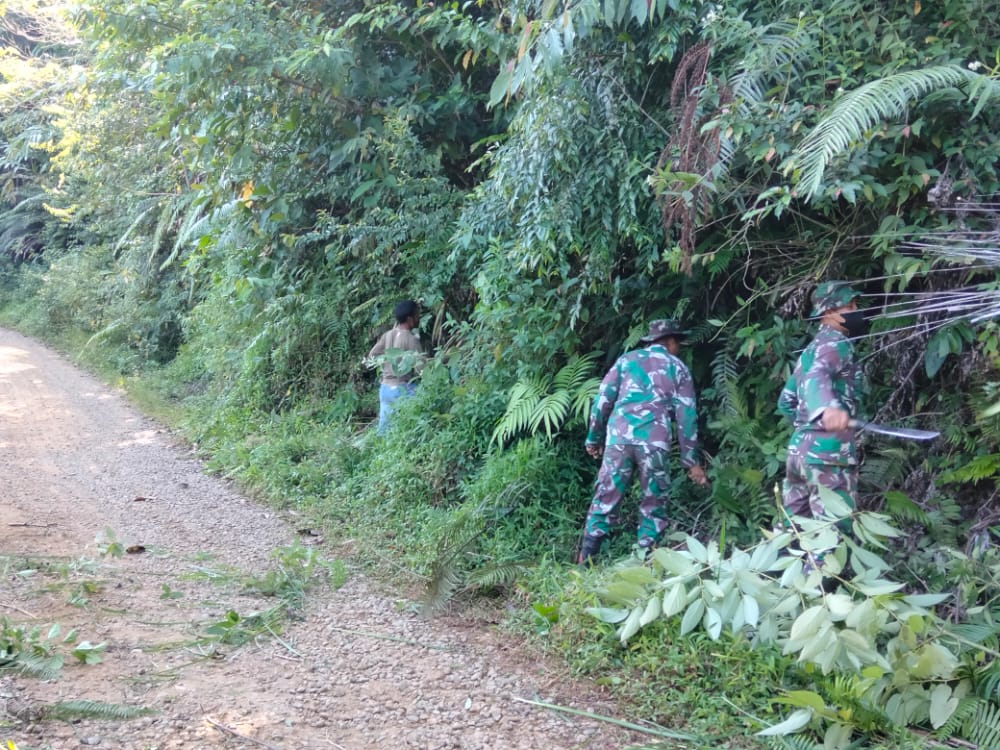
[(639, 397), (400, 354), (826, 374)]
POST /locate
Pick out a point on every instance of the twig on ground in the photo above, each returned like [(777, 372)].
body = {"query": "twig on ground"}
[(665, 733), (14, 607), (27, 524), (233, 733), (950, 742), (282, 642)]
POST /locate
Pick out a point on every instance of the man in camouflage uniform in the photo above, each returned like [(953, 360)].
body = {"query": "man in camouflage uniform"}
[(820, 398), (641, 395)]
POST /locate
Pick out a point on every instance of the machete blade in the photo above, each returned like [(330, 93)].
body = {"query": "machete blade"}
[(906, 433)]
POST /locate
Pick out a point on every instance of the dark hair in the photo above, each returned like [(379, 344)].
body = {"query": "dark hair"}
[(404, 310)]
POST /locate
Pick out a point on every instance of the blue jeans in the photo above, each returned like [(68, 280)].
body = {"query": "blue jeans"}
[(387, 394)]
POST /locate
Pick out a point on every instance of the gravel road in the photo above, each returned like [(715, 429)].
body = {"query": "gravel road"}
[(359, 669)]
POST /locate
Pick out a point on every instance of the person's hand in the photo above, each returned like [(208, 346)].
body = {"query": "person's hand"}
[(594, 450), (697, 475), (834, 419)]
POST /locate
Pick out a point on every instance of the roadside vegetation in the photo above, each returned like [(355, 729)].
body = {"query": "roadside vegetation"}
[(217, 205)]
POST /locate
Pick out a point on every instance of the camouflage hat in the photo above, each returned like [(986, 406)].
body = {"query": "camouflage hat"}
[(831, 294), (660, 328)]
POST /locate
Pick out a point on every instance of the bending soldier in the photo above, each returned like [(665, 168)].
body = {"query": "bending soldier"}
[(630, 424)]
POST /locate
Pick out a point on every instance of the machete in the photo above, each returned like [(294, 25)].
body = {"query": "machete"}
[(900, 432)]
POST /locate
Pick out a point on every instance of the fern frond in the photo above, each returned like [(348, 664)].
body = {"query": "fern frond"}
[(551, 412), (490, 576), (521, 405), (856, 113), (42, 667), (899, 505), (987, 681), (85, 709), (982, 727), (794, 742), (575, 373), (583, 401)]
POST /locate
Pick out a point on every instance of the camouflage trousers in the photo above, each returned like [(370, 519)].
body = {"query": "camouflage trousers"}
[(802, 482), (617, 466)]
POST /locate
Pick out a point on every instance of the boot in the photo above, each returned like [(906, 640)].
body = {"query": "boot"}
[(590, 547)]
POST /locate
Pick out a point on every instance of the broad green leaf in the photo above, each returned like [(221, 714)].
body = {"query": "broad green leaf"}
[(675, 600), (623, 592), (792, 573), (808, 623), (878, 587), (607, 614), (925, 600), (802, 699), (697, 550), (872, 672), (840, 606), (501, 85), (833, 504), (876, 524), (866, 559), (692, 616), (713, 589), (674, 562), (857, 644), (796, 721), (713, 623), (943, 705), (652, 610), (837, 736), (820, 646), (638, 574), (934, 660), (631, 625), (751, 610)]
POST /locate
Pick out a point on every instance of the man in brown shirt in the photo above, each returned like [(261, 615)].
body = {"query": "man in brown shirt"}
[(401, 356)]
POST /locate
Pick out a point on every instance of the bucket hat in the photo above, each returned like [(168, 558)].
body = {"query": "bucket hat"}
[(664, 327), (831, 294)]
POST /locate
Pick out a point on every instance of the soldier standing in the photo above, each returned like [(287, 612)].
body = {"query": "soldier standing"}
[(640, 396), (820, 398)]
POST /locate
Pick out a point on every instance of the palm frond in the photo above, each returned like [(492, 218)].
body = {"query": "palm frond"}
[(465, 528), (856, 113)]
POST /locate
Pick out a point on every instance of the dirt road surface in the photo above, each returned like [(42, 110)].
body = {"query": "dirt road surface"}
[(357, 670)]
